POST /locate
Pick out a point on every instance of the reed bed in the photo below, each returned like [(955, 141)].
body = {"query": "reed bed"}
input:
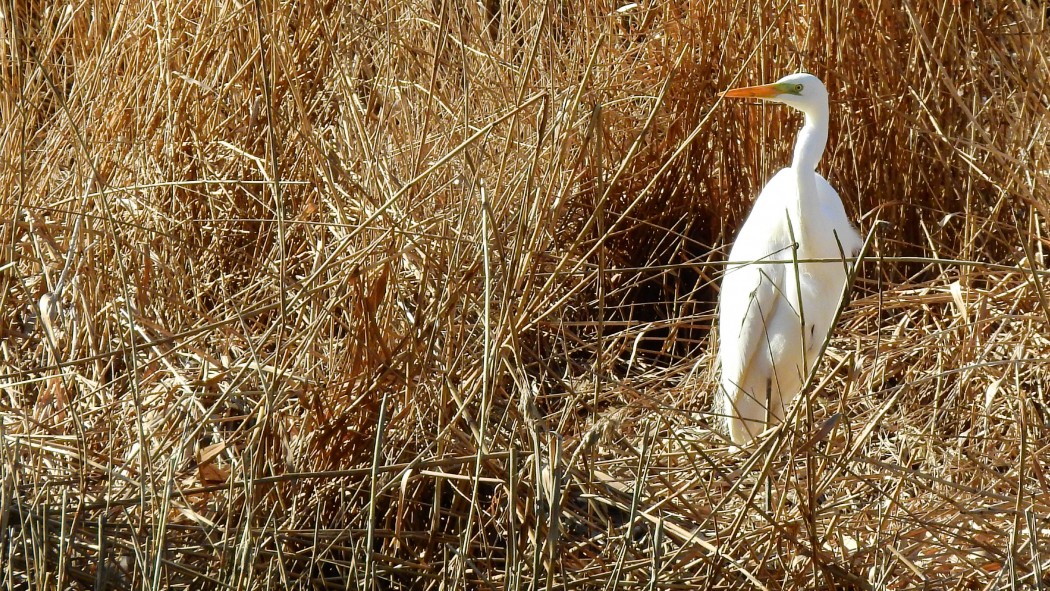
[(419, 295)]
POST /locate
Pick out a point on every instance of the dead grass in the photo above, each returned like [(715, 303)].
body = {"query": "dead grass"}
[(417, 295)]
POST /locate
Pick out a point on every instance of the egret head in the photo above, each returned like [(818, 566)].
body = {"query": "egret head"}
[(803, 91)]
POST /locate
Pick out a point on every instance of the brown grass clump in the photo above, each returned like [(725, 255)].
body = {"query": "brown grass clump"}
[(386, 295)]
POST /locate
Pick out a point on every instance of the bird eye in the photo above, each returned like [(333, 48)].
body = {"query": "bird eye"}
[(798, 88)]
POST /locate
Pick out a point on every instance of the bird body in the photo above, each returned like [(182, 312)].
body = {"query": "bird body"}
[(786, 271)]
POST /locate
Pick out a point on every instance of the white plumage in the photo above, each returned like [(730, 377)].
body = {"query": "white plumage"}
[(765, 355)]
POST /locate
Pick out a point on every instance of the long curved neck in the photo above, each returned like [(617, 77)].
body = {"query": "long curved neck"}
[(812, 138), (809, 147)]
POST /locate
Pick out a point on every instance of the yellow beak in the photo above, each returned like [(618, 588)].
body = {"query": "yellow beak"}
[(765, 91)]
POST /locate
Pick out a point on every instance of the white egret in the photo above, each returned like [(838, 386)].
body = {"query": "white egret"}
[(771, 290)]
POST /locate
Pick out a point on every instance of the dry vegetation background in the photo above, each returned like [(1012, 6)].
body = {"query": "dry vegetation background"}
[(417, 295)]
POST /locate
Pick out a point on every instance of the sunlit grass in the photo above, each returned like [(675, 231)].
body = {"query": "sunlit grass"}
[(418, 295)]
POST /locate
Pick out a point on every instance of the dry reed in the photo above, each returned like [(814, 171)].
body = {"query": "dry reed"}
[(408, 294)]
